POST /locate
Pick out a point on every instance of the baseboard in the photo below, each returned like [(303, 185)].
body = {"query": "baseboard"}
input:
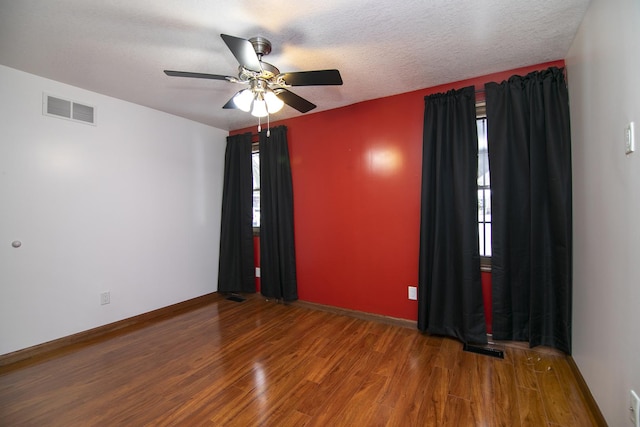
[(68, 343), (586, 393), (357, 314)]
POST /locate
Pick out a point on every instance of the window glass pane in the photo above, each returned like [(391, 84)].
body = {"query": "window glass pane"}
[(481, 237), (482, 134), (255, 169), (483, 153), (484, 205), (256, 208), (484, 189), (487, 239)]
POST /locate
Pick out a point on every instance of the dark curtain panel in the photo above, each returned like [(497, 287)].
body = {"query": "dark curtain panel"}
[(277, 246), (530, 163), (237, 268), (450, 291)]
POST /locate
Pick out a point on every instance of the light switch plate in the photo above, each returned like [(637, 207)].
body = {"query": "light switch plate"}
[(629, 139), (413, 293), (634, 409)]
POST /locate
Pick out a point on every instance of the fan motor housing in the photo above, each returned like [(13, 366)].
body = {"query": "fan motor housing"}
[(261, 45)]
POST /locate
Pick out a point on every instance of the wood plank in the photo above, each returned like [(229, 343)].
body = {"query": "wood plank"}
[(555, 401), (524, 364), (458, 412), (531, 408), (464, 375), (435, 398), (412, 391), (450, 349), (501, 405), (481, 386), (358, 409)]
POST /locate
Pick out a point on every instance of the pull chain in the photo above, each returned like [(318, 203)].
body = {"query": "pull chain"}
[(268, 126)]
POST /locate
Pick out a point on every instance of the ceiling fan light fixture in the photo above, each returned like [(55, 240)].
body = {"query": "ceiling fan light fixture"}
[(267, 87), (259, 106), (274, 104), (243, 99)]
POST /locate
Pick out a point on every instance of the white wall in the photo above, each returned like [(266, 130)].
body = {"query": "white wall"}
[(131, 206), (603, 67)]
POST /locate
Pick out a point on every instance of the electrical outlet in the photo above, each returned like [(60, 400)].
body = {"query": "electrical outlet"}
[(634, 409), (105, 298), (413, 293)]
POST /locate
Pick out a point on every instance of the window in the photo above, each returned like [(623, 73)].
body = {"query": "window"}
[(255, 170), (484, 187)]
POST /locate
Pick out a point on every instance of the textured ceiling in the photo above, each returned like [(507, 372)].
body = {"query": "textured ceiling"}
[(384, 47)]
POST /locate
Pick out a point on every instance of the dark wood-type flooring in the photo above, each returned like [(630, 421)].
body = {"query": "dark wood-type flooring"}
[(259, 363)]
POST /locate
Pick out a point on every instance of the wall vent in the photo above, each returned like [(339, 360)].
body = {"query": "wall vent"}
[(62, 108)]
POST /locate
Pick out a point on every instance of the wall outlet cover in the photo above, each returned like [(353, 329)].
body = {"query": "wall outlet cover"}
[(105, 298)]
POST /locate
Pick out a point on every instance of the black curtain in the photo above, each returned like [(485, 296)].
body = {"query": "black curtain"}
[(450, 292), (277, 245), (236, 271), (530, 162)]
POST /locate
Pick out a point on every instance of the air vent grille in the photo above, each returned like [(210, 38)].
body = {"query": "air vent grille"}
[(83, 113), (70, 110), (58, 107)]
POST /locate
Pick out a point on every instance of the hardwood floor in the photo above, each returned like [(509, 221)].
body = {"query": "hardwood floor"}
[(258, 363)]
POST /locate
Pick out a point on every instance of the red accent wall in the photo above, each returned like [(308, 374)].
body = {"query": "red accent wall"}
[(356, 181)]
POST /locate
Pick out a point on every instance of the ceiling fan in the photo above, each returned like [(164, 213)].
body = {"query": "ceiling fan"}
[(268, 87)]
